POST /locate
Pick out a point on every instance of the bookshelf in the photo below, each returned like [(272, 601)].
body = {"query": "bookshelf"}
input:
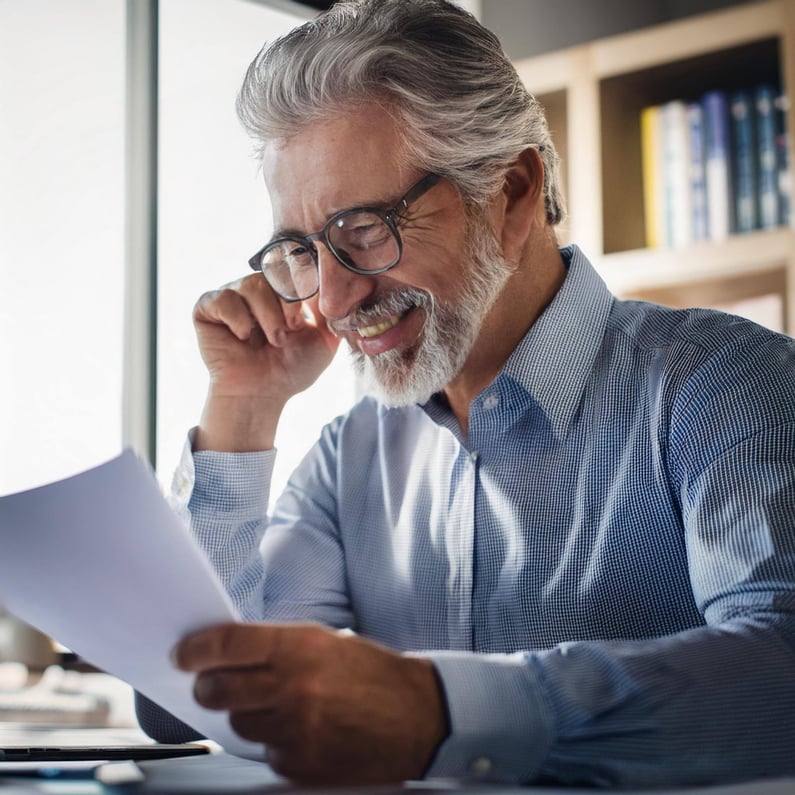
[(593, 95)]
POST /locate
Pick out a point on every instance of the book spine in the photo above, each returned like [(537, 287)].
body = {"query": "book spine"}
[(783, 160), (743, 160), (652, 177), (768, 199), (717, 168), (698, 174), (676, 174)]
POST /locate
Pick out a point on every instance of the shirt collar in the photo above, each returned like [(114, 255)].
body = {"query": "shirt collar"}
[(554, 359)]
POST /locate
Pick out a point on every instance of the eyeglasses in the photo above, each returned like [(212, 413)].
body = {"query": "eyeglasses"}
[(364, 240)]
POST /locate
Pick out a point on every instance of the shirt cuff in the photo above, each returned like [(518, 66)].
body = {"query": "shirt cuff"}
[(234, 482), (501, 725)]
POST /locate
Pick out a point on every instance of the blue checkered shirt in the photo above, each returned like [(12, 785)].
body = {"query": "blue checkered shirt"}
[(602, 570)]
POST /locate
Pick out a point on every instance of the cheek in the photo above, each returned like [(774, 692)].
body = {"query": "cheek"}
[(435, 264)]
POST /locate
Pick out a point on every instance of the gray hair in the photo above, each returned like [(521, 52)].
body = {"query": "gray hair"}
[(464, 111)]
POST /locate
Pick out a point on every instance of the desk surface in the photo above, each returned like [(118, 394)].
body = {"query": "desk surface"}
[(218, 773), (221, 774)]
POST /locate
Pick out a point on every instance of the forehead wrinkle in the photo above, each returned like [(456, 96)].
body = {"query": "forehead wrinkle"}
[(347, 161), (379, 203)]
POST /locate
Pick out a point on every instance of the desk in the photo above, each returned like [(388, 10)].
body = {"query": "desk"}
[(221, 774)]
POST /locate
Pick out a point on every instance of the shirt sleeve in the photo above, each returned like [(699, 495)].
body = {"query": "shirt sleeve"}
[(708, 705), (711, 705), (284, 566), (224, 499)]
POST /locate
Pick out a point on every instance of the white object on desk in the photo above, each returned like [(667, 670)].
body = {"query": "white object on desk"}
[(101, 562), (38, 705), (57, 697), (13, 676)]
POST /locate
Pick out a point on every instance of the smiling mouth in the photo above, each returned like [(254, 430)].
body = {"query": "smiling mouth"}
[(378, 328), (381, 316)]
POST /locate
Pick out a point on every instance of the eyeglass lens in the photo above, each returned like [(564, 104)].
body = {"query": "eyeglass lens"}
[(362, 240)]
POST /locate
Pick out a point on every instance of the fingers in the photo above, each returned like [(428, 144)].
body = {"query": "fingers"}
[(254, 724), (287, 741), (224, 646), (236, 689), (234, 673), (288, 746), (243, 645), (275, 317), (249, 309), (321, 701)]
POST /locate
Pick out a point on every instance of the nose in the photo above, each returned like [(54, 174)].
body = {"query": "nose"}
[(340, 290)]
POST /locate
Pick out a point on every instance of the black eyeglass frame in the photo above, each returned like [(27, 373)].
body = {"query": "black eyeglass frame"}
[(389, 217)]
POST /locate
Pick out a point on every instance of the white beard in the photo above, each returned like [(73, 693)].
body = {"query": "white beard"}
[(404, 377)]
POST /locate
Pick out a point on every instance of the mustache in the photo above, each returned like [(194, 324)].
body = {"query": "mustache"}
[(396, 302)]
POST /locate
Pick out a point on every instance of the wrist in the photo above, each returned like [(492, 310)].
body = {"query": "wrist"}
[(438, 726), (238, 424), (502, 725)]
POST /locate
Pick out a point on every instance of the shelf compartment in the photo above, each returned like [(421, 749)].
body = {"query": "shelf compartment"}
[(648, 270), (623, 97)]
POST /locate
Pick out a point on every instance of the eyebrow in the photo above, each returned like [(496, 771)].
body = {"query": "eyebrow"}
[(374, 204), (286, 232)]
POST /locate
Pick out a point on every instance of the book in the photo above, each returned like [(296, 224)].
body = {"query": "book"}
[(652, 168), (716, 160), (783, 173), (743, 159), (676, 173), (698, 174), (767, 175)]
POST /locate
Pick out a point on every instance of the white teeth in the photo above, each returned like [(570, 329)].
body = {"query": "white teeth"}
[(378, 328)]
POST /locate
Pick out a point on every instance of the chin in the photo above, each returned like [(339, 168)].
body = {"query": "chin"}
[(401, 378)]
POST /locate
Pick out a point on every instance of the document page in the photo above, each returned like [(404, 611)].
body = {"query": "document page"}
[(102, 564)]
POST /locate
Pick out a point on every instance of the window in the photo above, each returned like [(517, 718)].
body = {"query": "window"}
[(61, 236), (214, 212), (62, 227)]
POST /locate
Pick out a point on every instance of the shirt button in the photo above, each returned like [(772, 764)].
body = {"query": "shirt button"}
[(473, 457), (491, 401), (480, 766)]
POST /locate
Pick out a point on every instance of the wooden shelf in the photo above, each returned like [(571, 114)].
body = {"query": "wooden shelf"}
[(678, 41), (593, 95), (650, 268)]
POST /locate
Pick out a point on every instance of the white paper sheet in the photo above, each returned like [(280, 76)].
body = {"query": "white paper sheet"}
[(101, 563)]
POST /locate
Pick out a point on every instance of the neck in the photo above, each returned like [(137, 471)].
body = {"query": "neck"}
[(525, 296)]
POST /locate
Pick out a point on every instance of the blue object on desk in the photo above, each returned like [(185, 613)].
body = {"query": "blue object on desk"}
[(49, 770)]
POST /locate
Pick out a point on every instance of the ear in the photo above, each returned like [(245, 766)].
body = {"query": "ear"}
[(522, 202)]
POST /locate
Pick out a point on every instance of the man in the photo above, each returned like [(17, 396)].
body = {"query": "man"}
[(562, 531)]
